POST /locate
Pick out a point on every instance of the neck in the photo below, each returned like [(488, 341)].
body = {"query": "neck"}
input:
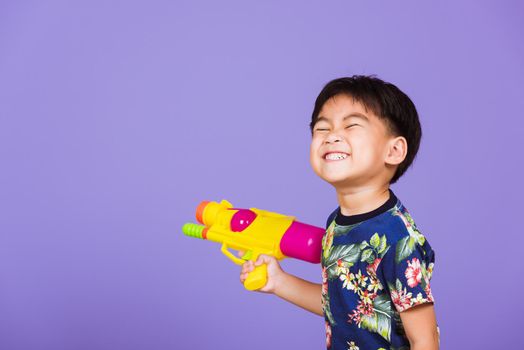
[(357, 201)]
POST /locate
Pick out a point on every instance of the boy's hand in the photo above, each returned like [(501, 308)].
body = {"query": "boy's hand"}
[(304, 294), (274, 272)]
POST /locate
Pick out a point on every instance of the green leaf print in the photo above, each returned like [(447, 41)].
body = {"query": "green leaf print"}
[(408, 217), (375, 240), (405, 247), (346, 254), (383, 245), (380, 320), (398, 285), (377, 247), (412, 228), (420, 238), (327, 310), (343, 230), (327, 241), (367, 255)]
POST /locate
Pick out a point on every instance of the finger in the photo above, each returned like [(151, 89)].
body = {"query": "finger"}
[(241, 253), (247, 267), (244, 275), (262, 259)]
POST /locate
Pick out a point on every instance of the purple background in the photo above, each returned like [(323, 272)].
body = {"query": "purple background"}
[(118, 118)]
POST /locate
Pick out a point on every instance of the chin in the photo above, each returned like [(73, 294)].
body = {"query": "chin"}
[(336, 180)]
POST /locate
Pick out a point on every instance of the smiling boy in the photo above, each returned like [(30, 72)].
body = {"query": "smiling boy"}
[(376, 265)]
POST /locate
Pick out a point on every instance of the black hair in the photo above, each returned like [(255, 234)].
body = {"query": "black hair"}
[(386, 101)]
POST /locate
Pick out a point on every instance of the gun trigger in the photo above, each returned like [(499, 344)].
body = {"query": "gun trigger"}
[(248, 255)]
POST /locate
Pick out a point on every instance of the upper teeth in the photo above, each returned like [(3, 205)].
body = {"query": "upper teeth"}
[(336, 156)]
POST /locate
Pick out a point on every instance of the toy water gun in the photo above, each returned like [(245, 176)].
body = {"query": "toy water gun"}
[(255, 232)]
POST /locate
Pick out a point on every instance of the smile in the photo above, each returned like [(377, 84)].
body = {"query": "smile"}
[(335, 156)]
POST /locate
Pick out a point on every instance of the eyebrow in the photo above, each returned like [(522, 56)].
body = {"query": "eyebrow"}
[(352, 115)]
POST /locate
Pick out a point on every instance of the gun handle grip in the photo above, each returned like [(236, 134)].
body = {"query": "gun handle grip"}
[(256, 278)]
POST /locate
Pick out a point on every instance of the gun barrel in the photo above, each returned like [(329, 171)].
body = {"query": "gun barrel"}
[(194, 230)]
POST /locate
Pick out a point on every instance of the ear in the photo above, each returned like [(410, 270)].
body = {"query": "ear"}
[(397, 151)]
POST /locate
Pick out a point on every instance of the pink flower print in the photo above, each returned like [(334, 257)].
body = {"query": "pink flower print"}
[(324, 288), (365, 308), (403, 218), (428, 293), (324, 281), (401, 299), (328, 335), (341, 267), (413, 273), (354, 317), (367, 297), (372, 268)]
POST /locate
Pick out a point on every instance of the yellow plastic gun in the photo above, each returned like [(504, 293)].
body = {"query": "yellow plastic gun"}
[(255, 232)]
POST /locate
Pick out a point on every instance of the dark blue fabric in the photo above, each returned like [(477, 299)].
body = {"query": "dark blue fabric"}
[(373, 270), (331, 217)]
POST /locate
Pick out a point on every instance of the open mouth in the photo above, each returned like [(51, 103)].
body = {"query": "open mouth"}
[(335, 156)]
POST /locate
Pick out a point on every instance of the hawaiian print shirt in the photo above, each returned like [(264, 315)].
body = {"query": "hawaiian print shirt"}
[(374, 266)]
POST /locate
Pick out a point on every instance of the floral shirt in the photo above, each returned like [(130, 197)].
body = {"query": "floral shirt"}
[(374, 266)]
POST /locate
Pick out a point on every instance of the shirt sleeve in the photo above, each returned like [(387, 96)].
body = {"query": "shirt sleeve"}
[(406, 272)]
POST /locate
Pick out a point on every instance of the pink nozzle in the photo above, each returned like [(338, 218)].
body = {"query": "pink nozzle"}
[(303, 241), (242, 219)]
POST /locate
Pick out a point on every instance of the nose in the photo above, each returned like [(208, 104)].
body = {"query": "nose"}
[(332, 138)]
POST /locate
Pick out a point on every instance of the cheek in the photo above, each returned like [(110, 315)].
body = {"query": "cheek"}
[(372, 156), (313, 154), (313, 148)]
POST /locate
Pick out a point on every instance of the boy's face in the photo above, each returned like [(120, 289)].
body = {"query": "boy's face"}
[(349, 144)]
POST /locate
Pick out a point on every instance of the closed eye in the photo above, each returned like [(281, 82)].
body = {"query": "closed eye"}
[(321, 129), (351, 125)]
